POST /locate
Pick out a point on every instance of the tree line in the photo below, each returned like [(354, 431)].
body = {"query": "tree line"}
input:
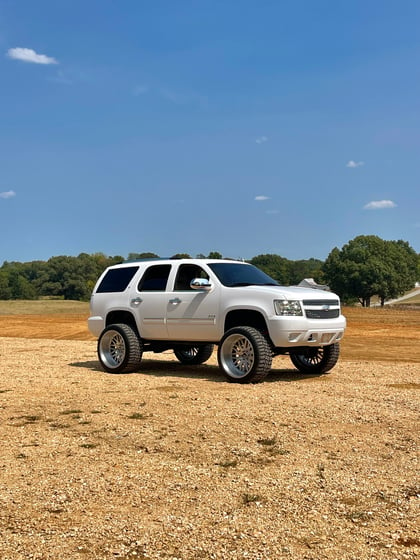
[(367, 266)]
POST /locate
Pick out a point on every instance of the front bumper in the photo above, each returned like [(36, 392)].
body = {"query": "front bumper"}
[(297, 331)]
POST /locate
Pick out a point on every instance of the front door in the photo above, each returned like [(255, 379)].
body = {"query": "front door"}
[(192, 315)]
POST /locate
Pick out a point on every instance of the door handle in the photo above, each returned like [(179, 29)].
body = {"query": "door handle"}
[(136, 301), (175, 301)]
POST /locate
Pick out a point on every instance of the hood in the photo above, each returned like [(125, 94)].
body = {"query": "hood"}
[(290, 292)]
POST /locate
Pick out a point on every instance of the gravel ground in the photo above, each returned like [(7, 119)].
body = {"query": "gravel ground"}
[(175, 463)]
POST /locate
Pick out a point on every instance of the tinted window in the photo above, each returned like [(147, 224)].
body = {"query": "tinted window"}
[(117, 279), (231, 275), (186, 273), (155, 278)]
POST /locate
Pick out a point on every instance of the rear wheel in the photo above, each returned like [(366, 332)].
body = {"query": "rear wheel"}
[(316, 360), (119, 349), (244, 355), (193, 355)]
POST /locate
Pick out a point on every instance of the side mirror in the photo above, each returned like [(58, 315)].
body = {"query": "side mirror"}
[(201, 284)]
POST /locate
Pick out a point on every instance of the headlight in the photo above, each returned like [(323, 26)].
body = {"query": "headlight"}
[(287, 307)]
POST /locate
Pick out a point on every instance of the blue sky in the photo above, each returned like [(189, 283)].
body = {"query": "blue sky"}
[(238, 126)]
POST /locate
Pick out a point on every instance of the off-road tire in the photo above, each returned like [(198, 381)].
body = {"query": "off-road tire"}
[(244, 355), (119, 349), (194, 355), (316, 360)]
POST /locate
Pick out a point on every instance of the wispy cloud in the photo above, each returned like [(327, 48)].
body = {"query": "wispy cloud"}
[(7, 194), (379, 205), (62, 78), (29, 55), (272, 212), (262, 197), (261, 140), (352, 164)]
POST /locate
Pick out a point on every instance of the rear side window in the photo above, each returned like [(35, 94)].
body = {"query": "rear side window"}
[(155, 278), (117, 279)]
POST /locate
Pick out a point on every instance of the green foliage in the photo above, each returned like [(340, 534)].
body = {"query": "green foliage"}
[(365, 267), (181, 256), (136, 256), (289, 272), (368, 266), (273, 265), (215, 255), (71, 278)]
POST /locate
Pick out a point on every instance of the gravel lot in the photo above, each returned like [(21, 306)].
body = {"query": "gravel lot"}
[(176, 463)]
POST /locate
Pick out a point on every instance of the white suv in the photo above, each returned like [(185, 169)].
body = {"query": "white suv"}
[(188, 305)]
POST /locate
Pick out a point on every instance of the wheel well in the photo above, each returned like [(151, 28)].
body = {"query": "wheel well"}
[(121, 317), (246, 317)]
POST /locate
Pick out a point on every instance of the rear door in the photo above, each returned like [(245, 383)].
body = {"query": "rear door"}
[(148, 301)]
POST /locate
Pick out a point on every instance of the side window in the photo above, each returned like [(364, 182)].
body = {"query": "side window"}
[(117, 279), (186, 273), (155, 278)]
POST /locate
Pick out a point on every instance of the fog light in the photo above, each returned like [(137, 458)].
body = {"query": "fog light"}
[(294, 337)]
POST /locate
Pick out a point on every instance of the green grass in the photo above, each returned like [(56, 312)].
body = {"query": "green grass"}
[(42, 307)]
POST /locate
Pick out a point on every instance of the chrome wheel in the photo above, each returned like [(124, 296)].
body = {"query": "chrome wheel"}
[(316, 360), (112, 349), (237, 355), (120, 349), (194, 355), (244, 355)]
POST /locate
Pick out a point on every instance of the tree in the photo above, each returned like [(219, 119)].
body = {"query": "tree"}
[(5, 290), (215, 255), (311, 268), (275, 266), (369, 266), (401, 272), (181, 256), (136, 256)]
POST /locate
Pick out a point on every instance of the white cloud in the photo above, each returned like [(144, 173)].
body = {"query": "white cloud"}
[(379, 205), (352, 164), (262, 197), (261, 139), (29, 55), (7, 194)]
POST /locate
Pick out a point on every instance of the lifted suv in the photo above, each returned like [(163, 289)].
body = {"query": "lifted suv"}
[(189, 305)]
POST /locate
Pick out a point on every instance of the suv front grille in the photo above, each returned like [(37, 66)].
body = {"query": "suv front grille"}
[(322, 308), (322, 313), (321, 302)]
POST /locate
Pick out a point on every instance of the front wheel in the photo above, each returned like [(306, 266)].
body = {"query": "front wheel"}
[(119, 349), (244, 355), (316, 360), (194, 355)]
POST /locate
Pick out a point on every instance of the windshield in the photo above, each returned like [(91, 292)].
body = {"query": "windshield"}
[(238, 274)]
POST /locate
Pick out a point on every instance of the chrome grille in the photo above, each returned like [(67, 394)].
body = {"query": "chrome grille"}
[(322, 308), (321, 302), (322, 313)]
